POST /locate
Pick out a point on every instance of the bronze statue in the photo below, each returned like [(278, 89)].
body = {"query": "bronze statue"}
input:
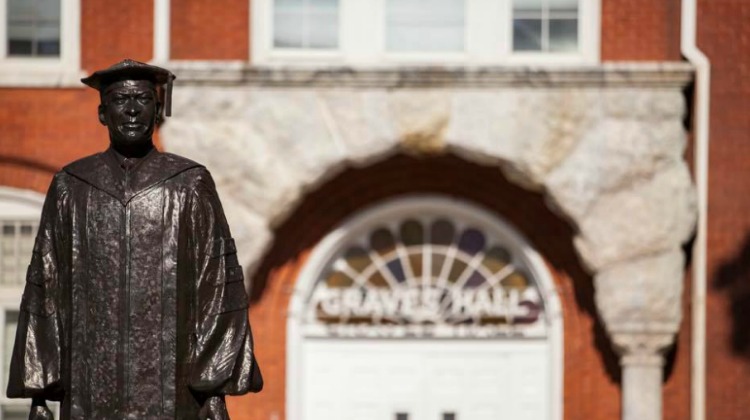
[(134, 305)]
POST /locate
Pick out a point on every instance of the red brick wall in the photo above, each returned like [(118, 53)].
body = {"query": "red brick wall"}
[(591, 368), (114, 30), (640, 30), (210, 30), (724, 36), (43, 129)]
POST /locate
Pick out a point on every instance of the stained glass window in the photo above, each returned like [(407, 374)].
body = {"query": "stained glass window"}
[(430, 273)]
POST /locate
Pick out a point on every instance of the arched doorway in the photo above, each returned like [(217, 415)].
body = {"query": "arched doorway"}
[(424, 307)]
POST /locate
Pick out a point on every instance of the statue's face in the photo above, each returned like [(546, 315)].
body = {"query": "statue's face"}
[(129, 109)]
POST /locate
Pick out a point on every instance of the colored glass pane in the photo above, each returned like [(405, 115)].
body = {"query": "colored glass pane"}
[(515, 281), (442, 232), (471, 241), (412, 233), (357, 258), (496, 258), (476, 279), (437, 264), (397, 270), (416, 264), (338, 279), (382, 241), (457, 269), (377, 280)]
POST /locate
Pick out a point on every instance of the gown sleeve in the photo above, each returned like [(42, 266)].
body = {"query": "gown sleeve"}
[(35, 367), (223, 361)]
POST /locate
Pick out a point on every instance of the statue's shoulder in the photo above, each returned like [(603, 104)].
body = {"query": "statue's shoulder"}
[(192, 173), (85, 164), (189, 167), (179, 160)]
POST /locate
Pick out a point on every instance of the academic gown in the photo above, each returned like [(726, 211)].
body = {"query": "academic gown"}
[(134, 305)]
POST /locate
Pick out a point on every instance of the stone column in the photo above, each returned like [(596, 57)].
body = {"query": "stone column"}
[(642, 362), (639, 301)]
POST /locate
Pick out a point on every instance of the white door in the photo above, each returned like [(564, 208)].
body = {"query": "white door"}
[(425, 379)]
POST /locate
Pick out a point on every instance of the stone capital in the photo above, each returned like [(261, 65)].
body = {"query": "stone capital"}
[(642, 349)]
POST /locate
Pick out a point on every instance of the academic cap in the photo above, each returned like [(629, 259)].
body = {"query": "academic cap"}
[(134, 70)]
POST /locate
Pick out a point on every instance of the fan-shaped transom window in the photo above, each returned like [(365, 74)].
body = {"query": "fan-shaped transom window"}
[(411, 306), (428, 272)]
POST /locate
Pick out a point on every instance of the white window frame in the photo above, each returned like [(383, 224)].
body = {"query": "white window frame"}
[(11, 303), (362, 25), (395, 209), (18, 205), (589, 34), (62, 71)]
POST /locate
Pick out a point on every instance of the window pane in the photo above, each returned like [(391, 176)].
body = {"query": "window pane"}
[(563, 5), (48, 39), (9, 336), (324, 5), (410, 26), (288, 30), (528, 6), (563, 35), (33, 27), (16, 243), (19, 47), (323, 31), (306, 24), (16, 413), (527, 35), (48, 10), (287, 5), (22, 10)]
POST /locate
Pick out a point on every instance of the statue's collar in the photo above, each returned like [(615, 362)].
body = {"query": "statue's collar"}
[(103, 171), (127, 163)]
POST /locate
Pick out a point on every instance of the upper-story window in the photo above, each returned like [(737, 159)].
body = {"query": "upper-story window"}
[(410, 26), (40, 43), (306, 24), (19, 221), (545, 25), (388, 32), (33, 28)]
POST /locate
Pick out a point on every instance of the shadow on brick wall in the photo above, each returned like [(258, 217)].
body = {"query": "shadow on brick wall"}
[(733, 278)]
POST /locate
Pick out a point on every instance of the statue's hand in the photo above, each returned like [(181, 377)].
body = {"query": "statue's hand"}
[(40, 412), (214, 408)]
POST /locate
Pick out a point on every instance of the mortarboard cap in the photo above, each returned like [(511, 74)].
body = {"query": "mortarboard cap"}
[(134, 70)]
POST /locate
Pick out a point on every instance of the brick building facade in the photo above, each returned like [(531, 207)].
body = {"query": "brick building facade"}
[(585, 154)]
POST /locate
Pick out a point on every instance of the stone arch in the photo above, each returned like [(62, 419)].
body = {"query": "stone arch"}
[(606, 153)]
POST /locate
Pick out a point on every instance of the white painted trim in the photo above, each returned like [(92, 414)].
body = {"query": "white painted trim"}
[(16, 204), (162, 17), (20, 203), (362, 38), (688, 45), (10, 300), (407, 205), (64, 71)]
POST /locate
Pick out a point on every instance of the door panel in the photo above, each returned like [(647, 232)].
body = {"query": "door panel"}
[(426, 379)]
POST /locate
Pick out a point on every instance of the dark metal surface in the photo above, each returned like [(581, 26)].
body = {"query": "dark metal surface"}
[(134, 306)]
